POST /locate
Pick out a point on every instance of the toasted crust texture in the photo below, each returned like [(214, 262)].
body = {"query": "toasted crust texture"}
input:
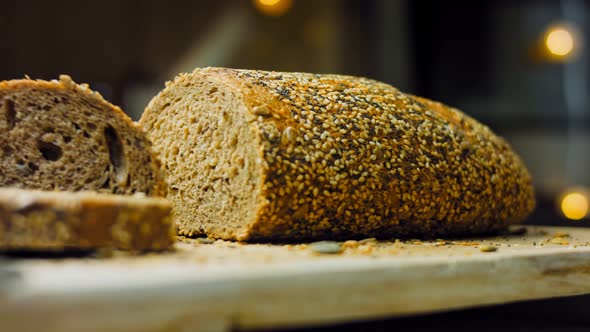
[(41, 220), (59, 135), (334, 157)]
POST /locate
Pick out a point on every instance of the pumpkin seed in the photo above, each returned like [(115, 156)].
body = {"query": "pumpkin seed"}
[(487, 248), (325, 247), (205, 240)]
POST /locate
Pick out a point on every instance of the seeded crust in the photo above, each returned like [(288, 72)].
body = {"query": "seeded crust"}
[(57, 135), (269, 156), (41, 220)]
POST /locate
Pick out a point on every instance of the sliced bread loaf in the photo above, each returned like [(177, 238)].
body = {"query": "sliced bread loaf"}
[(40, 220), (254, 155), (60, 135)]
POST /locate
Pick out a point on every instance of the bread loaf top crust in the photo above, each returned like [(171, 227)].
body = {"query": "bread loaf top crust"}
[(65, 82), (344, 156)]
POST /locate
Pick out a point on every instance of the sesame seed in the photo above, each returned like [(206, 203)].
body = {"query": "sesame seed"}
[(377, 160), (260, 110)]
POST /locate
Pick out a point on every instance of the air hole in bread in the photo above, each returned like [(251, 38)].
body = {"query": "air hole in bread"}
[(33, 167), (116, 154), (86, 134), (67, 139), (106, 184), (9, 113), (22, 168), (138, 144), (91, 126), (49, 150), (213, 90)]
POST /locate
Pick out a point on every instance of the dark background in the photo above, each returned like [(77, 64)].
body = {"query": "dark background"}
[(484, 57)]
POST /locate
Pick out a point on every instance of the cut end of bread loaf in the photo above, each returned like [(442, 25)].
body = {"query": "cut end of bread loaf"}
[(46, 220), (212, 156), (254, 155), (58, 135)]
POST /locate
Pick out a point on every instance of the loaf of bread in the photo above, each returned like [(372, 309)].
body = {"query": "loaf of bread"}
[(58, 135), (41, 220), (269, 156)]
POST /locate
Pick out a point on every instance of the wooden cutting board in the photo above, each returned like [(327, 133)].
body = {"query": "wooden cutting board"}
[(222, 286)]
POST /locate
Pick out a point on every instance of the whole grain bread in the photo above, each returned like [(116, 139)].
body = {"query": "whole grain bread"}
[(58, 135), (41, 220), (255, 155)]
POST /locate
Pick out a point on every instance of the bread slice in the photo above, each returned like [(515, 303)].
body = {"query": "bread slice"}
[(41, 220), (58, 135), (255, 155)]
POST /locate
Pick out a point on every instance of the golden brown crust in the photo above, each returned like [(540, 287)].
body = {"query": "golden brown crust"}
[(65, 82), (39, 220), (350, 157)]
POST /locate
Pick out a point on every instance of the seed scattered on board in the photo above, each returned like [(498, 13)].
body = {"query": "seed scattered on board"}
[(487, 248), (205, 240), (325, 247), (367, 240), (559, 240), (561, 234)]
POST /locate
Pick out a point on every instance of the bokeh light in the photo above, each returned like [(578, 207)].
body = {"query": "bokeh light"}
[(561, 42), (574, 205), (273, 7)]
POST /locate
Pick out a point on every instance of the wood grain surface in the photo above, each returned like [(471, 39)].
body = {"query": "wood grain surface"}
[(221, 286)]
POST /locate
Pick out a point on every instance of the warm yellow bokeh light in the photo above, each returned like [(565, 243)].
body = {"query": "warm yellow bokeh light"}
[(273, 7), (269, 2), (560, 41), (574, 205)]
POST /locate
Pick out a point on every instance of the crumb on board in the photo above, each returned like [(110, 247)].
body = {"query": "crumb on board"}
[(561, 234), (466, 243), (367, 240), (350, 244), (559, 240), (372, 247)]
